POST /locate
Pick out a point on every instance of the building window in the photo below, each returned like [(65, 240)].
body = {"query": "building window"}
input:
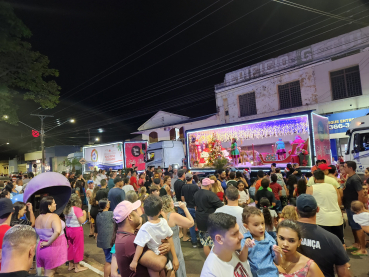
[(153, 137), (247, 104), (290, 95), (172, 134), (346, 83)]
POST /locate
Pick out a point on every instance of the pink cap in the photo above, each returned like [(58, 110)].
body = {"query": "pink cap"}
[(124, 209), (207, 182)]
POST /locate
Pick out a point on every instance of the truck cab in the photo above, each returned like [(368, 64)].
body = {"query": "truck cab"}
[(358, 144), (165, 153)]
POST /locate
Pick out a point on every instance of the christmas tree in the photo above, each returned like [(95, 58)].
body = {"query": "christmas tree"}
[(215, 150)]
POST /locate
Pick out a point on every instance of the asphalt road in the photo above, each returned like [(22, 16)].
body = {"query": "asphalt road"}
[(194, 258)]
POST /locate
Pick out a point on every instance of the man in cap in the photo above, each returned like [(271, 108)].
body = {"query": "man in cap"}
[(187, 195), (18, 250), (318, 244), (128, 220), (329, 180), (206, 202), (6, 211)]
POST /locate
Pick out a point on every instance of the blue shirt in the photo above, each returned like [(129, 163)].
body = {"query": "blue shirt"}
[(224, 184), (261, 256), (115, 196)]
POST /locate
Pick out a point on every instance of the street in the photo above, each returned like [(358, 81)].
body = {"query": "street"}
[(194, 258)]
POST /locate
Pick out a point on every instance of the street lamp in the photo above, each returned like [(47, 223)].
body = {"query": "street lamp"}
[(72, 120), (97, 139)]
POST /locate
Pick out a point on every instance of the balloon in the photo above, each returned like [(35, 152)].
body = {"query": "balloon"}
[(18, 197)]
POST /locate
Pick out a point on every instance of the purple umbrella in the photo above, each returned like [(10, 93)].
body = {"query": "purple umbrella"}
[(49, 184)]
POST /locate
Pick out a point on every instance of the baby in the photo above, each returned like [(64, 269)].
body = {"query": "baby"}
[(361, 215), (152, 232)]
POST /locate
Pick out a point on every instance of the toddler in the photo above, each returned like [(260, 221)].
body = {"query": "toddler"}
[(258, 246), (152, 232), (244, 194), (361, 215), (289, 212)]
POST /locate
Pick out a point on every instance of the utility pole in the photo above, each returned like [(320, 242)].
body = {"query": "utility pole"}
[(42, 137)]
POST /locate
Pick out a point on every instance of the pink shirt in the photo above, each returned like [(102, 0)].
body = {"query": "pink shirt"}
[(71, 219)]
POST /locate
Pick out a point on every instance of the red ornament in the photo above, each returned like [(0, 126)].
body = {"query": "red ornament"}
[(35, 133)]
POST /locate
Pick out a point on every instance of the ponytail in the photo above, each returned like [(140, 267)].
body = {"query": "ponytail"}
[(264, 203)]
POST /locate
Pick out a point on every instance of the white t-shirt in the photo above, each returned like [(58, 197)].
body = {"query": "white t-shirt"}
[(236, 211), (127, 188), (215, 267), (151, 234), (362, 219), (243, 197)]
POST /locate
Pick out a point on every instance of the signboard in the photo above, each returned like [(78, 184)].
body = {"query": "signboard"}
[(82, 161), (133, 154), (321, 138), (340, 122), (103, 156)]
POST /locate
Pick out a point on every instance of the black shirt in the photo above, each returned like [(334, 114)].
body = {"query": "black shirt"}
[(323, 247), (178, 184), (264, 193), (101, 194), (188, 191), (22, 273), (206, 203), (353, 185), (162, 192)]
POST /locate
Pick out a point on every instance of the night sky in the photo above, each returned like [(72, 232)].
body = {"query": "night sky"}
[(122, 61)]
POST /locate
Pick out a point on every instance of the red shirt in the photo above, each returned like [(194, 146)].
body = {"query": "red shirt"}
[(133, 181), (3, 229), (220, 195), (276, 188), (125, 250)]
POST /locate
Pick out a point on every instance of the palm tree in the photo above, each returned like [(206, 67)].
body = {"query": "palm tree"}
[(71, 162)]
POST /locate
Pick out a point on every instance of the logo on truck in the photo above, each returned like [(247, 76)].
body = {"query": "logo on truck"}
[(94, 155)]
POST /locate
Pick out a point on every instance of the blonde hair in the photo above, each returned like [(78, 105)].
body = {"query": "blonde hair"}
[(131, 196), (74, 201), (142, 195), (167, 204), (289, 212), (215, 185), (356, 206)]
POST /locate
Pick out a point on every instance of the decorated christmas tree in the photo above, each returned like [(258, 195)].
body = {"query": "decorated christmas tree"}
[(215, 150)]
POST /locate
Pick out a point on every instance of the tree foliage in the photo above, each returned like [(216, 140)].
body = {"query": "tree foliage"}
[(22, 70), (70, 163)]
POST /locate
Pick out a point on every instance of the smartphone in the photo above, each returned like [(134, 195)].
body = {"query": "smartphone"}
[(176, 204)]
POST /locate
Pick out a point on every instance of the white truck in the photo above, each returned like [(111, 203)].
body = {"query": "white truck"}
[(358, 145), (165, 153)]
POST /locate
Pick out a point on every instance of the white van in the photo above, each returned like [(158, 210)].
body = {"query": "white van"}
[(358, 145), (165, 153)]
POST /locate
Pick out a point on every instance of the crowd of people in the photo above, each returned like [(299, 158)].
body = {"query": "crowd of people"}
[(282, 222)]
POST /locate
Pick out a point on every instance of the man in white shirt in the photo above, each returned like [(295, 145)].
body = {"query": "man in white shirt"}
[(126, 186), (223, 261), (232, 196)]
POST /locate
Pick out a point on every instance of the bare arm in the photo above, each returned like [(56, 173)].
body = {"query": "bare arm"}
[(138, 253), (174, 255), (183, 199), (185, 222), (309, 190), (82, 218), (244, 254), (343, 271), (31, 214), (361, 196)]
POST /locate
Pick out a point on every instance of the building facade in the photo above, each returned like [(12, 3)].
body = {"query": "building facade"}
[(330, 77)]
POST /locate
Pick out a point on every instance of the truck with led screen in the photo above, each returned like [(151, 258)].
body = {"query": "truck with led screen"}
[(294, 138)]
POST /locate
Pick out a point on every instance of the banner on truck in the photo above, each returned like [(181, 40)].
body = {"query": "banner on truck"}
[(104, 157), (134, 154), (321, 138)]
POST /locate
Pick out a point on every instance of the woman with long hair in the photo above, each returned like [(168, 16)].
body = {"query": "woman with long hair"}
[(216, 187), (93, 211), (52, 248), (167, 184), (294, 263), (74, 218), (20, 208), (301, 188), (105, 228), (174, 221), (240, 177), (291, 182)]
